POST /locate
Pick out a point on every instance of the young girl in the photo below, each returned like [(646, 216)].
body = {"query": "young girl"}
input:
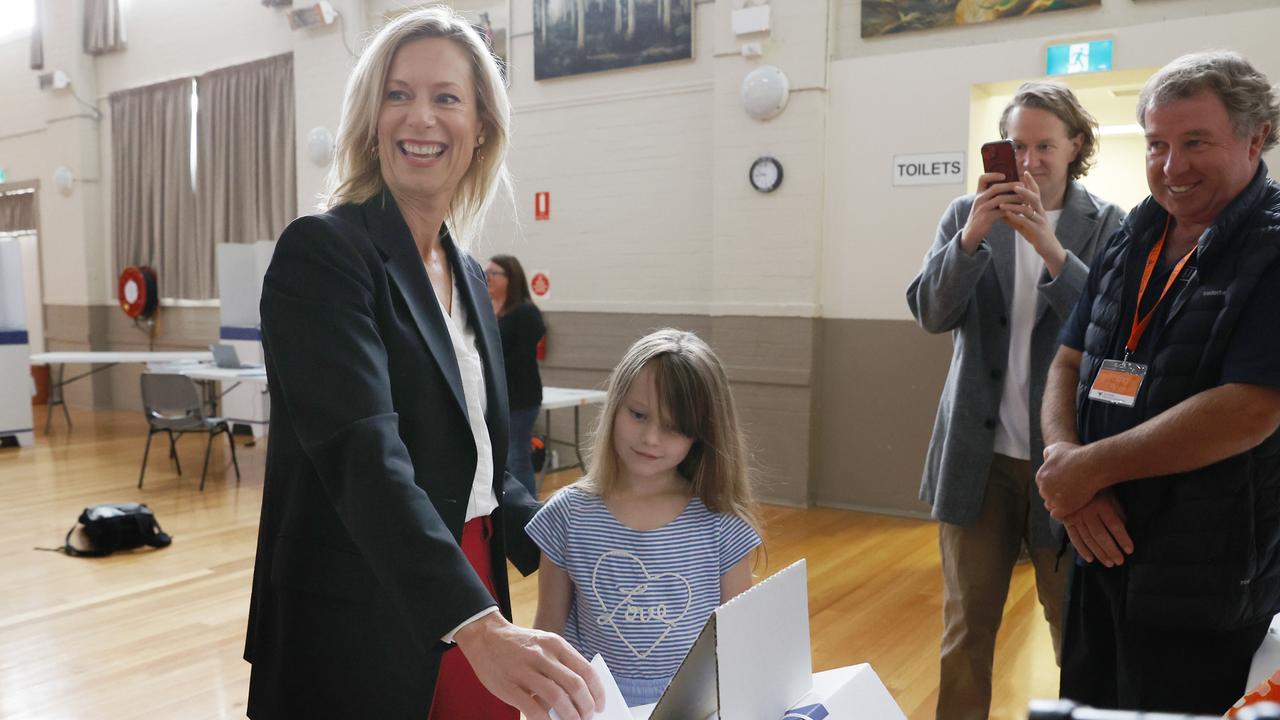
[(638, 553)]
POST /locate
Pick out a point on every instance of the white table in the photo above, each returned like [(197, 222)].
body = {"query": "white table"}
[(231, 378), (252, 376), (553, 398), (556, 398), (101, 360)]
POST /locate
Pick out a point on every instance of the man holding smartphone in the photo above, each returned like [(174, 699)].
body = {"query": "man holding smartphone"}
[(1005, 270)]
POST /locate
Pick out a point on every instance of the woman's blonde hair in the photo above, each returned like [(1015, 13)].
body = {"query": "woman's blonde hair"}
[(694, 400), (355, 175)]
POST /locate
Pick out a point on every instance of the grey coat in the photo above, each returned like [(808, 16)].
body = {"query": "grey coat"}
[(969, 295)]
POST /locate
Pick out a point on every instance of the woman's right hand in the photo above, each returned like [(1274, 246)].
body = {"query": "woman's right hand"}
[(992, 192), (531, 670)]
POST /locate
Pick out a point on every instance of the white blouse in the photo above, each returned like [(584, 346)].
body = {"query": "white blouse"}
[(482, 500)]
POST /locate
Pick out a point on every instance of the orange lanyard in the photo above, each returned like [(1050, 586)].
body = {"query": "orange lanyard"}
[(1140, 326)]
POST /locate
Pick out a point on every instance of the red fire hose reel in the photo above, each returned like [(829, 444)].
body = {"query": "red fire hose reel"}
[(139, 294)]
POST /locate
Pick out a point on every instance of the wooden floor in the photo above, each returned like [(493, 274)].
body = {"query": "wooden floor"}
[(159, 634)]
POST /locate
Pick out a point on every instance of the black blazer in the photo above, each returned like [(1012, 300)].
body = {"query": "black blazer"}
[(369, 467)]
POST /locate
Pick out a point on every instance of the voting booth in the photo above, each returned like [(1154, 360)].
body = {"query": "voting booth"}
[(16, 386), (241, 268)]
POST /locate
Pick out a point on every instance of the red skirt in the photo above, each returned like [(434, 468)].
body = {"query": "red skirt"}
[(459, 694)]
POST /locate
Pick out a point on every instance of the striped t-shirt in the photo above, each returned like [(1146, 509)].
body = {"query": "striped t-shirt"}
[(640, 598)]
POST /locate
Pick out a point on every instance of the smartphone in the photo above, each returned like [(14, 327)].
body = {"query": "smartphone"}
[(998, 157)]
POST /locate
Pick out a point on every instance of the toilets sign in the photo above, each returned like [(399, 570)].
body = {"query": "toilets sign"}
[(928, 169)]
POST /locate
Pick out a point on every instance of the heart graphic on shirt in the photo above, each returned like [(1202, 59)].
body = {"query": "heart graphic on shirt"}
[(634, 602)]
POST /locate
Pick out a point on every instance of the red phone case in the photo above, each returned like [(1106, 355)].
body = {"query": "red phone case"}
[(998, 156)]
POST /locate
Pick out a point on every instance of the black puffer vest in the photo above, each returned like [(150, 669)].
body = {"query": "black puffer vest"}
[(1206, 542)]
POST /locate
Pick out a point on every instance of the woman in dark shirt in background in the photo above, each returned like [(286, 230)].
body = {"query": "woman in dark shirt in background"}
[(520, 323)]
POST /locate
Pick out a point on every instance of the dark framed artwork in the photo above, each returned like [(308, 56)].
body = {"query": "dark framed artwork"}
[(884, 17), (571, 37)]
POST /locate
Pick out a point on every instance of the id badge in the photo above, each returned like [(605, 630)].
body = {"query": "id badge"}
[(1118, 382)]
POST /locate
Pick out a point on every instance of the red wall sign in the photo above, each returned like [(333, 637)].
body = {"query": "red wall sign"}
[(542, 206), (540, 284)]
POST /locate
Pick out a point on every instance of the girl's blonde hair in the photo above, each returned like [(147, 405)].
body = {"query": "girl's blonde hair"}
[(694, 399), (355, 175)]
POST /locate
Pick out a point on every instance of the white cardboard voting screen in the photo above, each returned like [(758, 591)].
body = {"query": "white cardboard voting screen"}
[(752, 662), (752, 657)]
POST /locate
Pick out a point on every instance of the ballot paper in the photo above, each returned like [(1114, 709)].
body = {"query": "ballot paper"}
[(615, 707)]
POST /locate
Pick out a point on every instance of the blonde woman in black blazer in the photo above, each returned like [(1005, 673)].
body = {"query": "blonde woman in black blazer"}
[(387, 517)]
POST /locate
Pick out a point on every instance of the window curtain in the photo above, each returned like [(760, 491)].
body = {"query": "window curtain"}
[(17, 211), (37, 37), (103, 27), (245, 152), (153, 204)]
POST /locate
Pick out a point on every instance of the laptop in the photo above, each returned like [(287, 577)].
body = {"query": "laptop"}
[(225, 356)]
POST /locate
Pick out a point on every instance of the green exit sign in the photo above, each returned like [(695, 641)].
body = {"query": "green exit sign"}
[(2, 176), (1083, 57)]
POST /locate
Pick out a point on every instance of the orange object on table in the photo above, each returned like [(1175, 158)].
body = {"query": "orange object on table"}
[(1266, 691)]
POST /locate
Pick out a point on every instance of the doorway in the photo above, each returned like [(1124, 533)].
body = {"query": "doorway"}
[(1119, 171)]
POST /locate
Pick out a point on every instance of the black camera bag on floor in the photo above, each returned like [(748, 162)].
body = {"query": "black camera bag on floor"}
[(117, 526)]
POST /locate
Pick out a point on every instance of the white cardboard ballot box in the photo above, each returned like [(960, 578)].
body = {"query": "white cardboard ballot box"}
[(847, 693), (752, 662)]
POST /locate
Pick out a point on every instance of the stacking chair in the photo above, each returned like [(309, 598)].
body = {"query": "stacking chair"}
[(172, 405)]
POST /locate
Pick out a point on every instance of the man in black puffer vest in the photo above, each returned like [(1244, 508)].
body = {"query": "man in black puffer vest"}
[(1161, 409)]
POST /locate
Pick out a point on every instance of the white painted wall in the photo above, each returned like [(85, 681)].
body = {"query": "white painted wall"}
[(20, 92), (70, 231), (627, 158), (651, 210), (885, 104), (767, 247)]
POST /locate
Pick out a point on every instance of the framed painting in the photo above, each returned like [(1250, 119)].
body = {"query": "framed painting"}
[(885, 17), (571, 37)]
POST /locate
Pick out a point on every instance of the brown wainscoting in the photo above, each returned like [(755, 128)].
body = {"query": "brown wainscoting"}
[(838, 412), (879, 384), (79, 327)]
